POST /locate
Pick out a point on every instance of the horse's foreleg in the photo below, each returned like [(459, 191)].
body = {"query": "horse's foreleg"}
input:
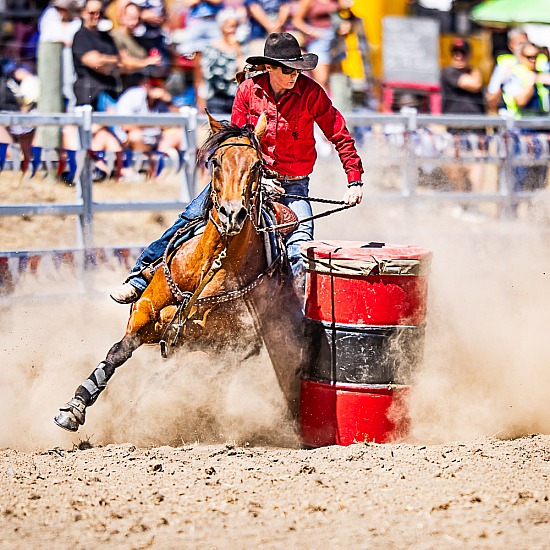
[(73, 414), (140, 329)]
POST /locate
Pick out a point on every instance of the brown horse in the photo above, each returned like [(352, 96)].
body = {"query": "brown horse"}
[(214, 279)]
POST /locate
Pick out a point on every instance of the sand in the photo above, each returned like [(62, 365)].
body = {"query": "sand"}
[(188, 453)]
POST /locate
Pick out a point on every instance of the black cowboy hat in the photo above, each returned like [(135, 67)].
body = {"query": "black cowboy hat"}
[(282, 49)]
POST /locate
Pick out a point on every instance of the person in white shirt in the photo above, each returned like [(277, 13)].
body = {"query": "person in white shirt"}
[(58, 23), (150, 96)]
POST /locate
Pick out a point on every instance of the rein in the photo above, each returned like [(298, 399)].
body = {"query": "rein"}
[(278, 197), (187, 299)]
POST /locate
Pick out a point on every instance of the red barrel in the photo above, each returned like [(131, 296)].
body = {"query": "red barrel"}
[(342, 414), (357, 283), (365, 313)]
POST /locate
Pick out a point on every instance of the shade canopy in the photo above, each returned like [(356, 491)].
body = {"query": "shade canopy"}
[(511, 12)]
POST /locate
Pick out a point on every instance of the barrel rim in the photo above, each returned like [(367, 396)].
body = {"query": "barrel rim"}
[(351, 386), (339, 249), (363, 328)]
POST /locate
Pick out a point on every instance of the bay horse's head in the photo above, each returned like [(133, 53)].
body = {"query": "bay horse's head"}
[(235, 161)]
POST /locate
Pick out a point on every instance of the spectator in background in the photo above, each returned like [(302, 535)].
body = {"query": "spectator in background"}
[(96, 59), (148, 97), (265, 16), (15, 97), (150, 33), (97, 63), (313, 19), (59, 23), (26, 87), (8, 101), (138, 58), (200, 26), (461, 90), (525, 94), (220, 62), (347, 25), (114, 11), (505, 63), (201, 29)]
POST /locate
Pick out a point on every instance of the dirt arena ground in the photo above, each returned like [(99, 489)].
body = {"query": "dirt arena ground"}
[(185, 453)]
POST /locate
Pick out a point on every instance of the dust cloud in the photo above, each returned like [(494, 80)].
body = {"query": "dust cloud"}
[(50, 347), (486, 369)]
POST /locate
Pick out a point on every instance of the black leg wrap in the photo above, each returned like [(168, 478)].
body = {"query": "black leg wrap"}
[(90, 389)]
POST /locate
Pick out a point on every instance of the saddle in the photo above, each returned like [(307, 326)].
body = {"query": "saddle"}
[(279, 214)]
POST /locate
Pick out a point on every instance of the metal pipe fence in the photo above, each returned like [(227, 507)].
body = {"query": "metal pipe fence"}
[(85, 206), (407, 140)]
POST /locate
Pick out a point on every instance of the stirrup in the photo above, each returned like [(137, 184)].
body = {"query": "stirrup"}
[(71, 415)]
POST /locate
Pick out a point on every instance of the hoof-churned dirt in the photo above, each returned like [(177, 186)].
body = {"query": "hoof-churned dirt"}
[(192, 454), (481, 494)]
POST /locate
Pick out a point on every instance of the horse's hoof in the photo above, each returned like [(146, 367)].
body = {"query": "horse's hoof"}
[(67, 421), (71, 415)]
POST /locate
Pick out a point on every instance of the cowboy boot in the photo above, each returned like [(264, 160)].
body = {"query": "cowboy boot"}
[(125, 294)]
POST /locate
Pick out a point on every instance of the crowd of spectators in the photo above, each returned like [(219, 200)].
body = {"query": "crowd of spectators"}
[(518, 88), (107, 43), (150, 56), (147, 56)]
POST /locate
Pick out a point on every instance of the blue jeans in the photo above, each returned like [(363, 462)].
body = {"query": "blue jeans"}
[(195, 209), (304, 232)]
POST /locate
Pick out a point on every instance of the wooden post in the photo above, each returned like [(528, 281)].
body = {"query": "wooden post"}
[(51, 97)]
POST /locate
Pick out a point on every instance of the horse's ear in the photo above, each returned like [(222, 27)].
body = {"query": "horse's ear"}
[(261, 126), (215, 126)]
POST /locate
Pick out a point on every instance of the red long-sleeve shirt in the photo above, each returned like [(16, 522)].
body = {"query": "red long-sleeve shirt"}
[(288, 144)]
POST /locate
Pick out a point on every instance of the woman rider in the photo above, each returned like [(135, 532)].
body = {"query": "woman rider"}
[(292, 102)]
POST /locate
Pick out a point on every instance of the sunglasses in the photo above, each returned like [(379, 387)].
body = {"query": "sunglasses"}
[(94, 13), (290, 70), (531, 57)]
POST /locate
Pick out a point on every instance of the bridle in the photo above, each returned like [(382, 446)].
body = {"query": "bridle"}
[(251, 200)]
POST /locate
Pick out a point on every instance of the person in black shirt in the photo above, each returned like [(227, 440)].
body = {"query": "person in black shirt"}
[(461, 89), (461, 84), (96, 60), (8, 101)]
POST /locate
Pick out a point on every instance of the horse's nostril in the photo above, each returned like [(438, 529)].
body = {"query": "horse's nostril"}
[(222, 210), (241, 215)]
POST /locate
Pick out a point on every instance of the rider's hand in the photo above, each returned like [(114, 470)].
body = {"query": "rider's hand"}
[(354, 194), (272, 188)]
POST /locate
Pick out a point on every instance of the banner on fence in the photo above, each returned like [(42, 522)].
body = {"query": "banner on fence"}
[(15, 267)]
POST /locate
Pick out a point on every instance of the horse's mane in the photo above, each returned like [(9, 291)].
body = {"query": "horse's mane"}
[(227, 131)]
